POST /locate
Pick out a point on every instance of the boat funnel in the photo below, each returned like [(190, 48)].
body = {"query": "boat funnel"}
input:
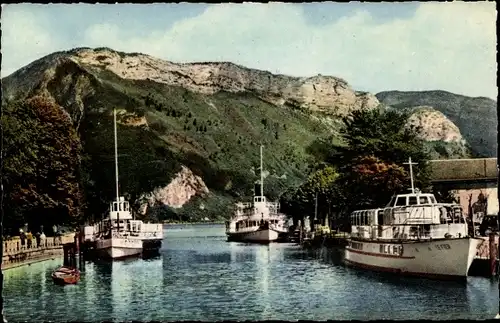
[(256, 191)]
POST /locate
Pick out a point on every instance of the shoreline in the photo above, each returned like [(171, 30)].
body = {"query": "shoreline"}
[(194, 222), (29, 262)]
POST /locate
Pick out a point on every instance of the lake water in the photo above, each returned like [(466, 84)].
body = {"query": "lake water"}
[(200, 276)]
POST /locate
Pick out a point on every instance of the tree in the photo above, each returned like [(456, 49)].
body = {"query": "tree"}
[(376, 144), (299, 202), (41, 158), (370, 182), (382, 134)]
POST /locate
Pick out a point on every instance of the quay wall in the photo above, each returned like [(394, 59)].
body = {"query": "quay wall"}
[(483, 250), (15, 255)]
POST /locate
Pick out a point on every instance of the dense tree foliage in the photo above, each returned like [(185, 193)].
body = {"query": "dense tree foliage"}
[(370, 163), (382, 134), (370, 182), (301, 201), (41, 158)]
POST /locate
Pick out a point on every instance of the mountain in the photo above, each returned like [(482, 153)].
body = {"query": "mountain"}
[(189, 134), (186, 132), (442, 137), (476, 118)]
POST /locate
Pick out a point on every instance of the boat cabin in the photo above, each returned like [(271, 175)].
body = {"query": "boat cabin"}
[(120, 210), (259, 199), (410, 215), (412, 199)]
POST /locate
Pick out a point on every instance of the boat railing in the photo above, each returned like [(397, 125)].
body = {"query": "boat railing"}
[(243, 205)]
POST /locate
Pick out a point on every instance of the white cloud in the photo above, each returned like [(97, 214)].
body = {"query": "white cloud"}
[(23, 39), (449, 46)]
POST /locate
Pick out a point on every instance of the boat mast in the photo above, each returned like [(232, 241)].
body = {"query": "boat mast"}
[(316, 207), (116, 173), (411, 174), (116, 156), (261, 173)]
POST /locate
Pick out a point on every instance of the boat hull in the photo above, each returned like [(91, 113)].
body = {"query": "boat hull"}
[(116, 248), (66, 276), (440, 258), (256, 236)]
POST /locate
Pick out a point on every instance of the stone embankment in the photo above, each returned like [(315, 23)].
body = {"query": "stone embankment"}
[(15, 255)]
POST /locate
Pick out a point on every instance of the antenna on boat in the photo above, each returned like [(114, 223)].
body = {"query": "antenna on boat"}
[(316, 207), (261, 173), (411, 173), (116, 156)]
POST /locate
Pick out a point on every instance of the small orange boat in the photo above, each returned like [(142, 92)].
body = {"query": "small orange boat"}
[(66, 275)]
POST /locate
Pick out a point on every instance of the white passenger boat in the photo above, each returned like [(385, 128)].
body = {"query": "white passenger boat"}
[(119, 235), (413, 235), (258, 221)]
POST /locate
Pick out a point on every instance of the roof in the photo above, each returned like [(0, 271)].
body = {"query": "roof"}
[(463, 169)]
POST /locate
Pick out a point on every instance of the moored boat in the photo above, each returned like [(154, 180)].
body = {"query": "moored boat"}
[(413, 235), (66, 275), (119, 235), (258, 221)]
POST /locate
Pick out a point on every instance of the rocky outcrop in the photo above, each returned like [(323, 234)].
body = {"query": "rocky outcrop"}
[(432, 125), (326, 94), (130, 119), (476, 117), (178, 192)]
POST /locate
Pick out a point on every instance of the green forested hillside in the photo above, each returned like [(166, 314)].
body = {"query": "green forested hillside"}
[(162, 127), (217, 136)]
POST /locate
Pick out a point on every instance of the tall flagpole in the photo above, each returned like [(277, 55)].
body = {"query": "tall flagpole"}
[(261, 173), (411, 174), (116, 156)]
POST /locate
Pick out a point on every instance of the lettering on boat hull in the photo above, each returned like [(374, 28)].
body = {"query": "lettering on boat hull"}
[(450, 257)]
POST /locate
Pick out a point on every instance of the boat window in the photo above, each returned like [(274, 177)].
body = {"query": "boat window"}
[(401, 201), (380, 216), (412, 200), (433, 200), (423, 200)]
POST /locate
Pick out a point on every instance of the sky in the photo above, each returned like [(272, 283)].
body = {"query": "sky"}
[(406, 46)]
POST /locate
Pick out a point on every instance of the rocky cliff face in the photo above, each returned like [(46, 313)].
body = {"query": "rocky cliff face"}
[(477, 118), (434, 126), (209, 117), (327, 94), (442, 137), (178, 192)]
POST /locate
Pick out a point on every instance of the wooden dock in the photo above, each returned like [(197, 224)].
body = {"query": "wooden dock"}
[(15, 255), (486, 261)]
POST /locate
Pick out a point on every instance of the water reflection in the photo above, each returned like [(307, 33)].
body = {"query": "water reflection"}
[(199, 276)]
